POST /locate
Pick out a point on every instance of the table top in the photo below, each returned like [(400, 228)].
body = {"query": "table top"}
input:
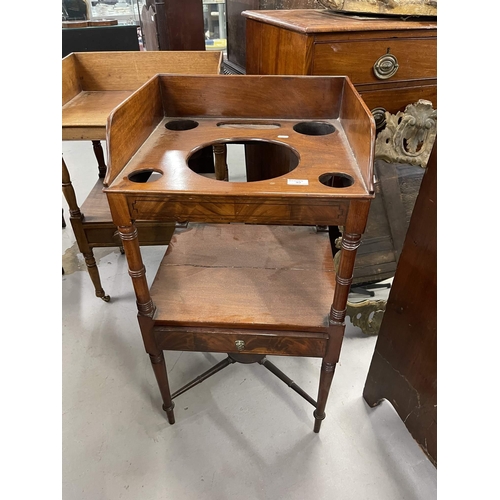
[(244, 109), (168, 152), (85, 116), (325, 21)]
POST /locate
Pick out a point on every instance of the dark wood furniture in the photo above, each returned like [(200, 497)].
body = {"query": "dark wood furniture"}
[(93, 83), (173, 25), (266, 286), (234, 63), (391, 62), (99, 39), (404, 365)]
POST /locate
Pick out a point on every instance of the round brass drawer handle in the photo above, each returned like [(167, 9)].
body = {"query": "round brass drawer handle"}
[(385, 66), (379, 116)]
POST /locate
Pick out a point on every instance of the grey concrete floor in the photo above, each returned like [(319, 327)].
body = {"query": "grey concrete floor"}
[(240, 434)]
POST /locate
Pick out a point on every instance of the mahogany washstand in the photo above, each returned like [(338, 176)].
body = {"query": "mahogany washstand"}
[(250, 275)]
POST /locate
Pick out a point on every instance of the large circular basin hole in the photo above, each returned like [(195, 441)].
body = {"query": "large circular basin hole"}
[(146, 175), (181, 124), (336, 180), (314, 128), (243, 161)]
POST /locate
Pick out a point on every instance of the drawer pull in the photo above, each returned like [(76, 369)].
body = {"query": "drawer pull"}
[(240, 345), (385, 66), (379, 116)]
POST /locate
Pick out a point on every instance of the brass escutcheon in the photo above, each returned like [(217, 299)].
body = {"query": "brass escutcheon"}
[(240, 344)]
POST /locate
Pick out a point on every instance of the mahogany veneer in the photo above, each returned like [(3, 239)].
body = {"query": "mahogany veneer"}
[(403, 369), (93, 84), (392, 62), (266, 285)]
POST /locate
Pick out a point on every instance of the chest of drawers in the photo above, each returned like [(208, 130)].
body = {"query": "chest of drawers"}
[(391, 62)]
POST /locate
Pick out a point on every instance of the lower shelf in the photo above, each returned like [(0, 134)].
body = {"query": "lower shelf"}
[(245, 276)]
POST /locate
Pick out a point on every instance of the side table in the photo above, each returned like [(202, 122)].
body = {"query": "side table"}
[(93, 84), (247, 277)]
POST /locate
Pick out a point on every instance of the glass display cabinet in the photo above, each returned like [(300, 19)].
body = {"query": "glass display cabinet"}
[(124, 11), (214, 18)]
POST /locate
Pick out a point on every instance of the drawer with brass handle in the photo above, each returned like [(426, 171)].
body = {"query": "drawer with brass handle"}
[(371, 61), (392, 62)]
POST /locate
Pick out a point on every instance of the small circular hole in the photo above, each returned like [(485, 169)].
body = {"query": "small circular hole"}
[(181, 124), (336, 180), (142, 176), (314, 128)]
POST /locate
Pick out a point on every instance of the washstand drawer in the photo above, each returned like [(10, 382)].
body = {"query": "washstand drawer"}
[(173, 338), (377, 61)]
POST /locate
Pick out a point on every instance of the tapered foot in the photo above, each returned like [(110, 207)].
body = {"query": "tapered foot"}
[(94, 276), (325, 381), (160, 370), (170, 413), (317, 421)]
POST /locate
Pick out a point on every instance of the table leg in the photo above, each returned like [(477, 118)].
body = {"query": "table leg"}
[(76, 219), (220, 155), (355, 226), (99, 154), (146, 311)]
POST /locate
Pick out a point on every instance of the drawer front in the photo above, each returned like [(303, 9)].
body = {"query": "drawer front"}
[(377, 61), (251, 342), (396, 99), (260, 211)]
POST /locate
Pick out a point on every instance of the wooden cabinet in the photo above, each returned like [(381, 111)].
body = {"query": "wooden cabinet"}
[(173, 25), (235, 61), (391, 62), (403, 369)]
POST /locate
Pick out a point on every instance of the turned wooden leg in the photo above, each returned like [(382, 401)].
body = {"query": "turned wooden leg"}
[(160, 369), (76, 219), (157, 360), (220, 154), (325, 381), (146, 311), (358, 212), (336, 334), (94, 274), (99, 154)]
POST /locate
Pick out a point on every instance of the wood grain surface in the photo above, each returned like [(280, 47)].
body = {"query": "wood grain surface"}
[(98, 71), (248, 275), (207, 100), (93, 83), (321, 21), (403, 369)]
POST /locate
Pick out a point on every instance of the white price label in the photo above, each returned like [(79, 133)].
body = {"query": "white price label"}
[(297, 182)]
